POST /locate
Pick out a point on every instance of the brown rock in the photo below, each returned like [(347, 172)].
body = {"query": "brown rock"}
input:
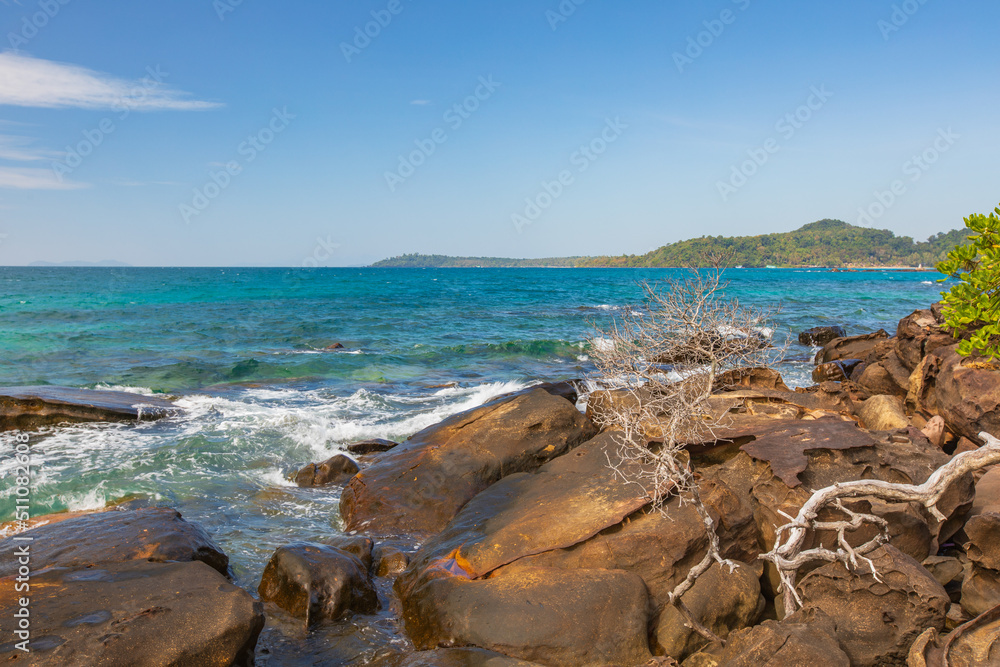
[(987, 493), (750, 378), (853, 347), (28, 408), (418, 487), (819, 336), (965, 393), (877, 620), (980, 589), (389, 561), (336, 470), (918, 335), (721, 600), (983, 531), (944, 569), (134, 613), (462, 657), (374, 446), (883, 413), (552, 617), (314, 582), (803, 639), (359, 546), (835, 371), (156, 534)]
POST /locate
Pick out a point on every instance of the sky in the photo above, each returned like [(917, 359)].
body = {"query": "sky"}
[(308, 132)]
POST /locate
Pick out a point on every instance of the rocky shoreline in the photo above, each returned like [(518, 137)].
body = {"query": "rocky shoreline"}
[(502, 537)]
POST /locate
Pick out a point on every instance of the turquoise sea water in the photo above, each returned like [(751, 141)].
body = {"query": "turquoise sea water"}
[(242, 350)]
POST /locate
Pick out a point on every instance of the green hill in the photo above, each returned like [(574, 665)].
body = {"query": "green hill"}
[(830, 243)]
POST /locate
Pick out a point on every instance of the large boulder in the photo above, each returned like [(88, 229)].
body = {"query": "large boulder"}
[(918, 335), (135, 613), (722, 600), (806, 638), (819, 336), (336, 470), (877, 617), (883, 413), (27, 408), (419, 486), (888, 375), (965, 392), (462, 657), (851, 347), (548, 616), (314, 582), (156, 534)]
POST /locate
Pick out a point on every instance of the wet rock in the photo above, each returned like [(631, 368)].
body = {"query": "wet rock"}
[(135, 613), (819, 336), (359, 546), (877, 620), (336, 470), (418, 487), (883, 413), (852, 347), (721, 600), (314, 582), (156, 534), (389, 561), (373, 446), (28, 408), (964, 392), (805, 638), (835, 371), (553, 617), (334, 346), (750, 378)]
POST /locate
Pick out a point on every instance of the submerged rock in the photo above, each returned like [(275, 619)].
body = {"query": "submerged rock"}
[(156, 534), (27, 408), (336, 470), (374, 446), (135, 613), (419, 486), (314, 582)]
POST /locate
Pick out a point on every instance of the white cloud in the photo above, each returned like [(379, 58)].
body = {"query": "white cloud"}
[(31, 178), (19, 149), (33, 82)]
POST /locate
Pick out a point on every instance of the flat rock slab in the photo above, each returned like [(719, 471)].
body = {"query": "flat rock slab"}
[(138, 613), (31, 407), (569, 500), (156, 534), (419, 486)]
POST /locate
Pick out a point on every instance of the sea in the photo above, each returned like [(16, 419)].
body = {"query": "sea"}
[(244, 353)]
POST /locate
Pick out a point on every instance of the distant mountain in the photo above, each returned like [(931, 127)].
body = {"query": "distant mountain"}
[(105, 263), (828, 243)]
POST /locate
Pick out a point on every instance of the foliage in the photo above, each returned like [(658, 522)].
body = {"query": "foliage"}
[(830, 243), (972, 307)]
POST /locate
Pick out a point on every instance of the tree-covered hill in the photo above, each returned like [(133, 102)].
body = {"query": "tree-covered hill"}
[(831, 243)]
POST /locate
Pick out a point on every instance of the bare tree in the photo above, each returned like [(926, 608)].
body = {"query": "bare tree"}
[(788, 554), (664, 359)]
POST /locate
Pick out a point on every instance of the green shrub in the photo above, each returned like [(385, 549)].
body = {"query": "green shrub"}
[(972, 307)]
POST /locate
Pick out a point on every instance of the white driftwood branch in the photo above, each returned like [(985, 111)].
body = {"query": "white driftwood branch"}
[(787, 554)]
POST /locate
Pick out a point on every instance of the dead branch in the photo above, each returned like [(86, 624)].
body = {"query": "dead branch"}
[(787, 554)]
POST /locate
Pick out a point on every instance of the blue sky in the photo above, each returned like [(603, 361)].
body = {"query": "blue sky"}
[(261, 133)]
